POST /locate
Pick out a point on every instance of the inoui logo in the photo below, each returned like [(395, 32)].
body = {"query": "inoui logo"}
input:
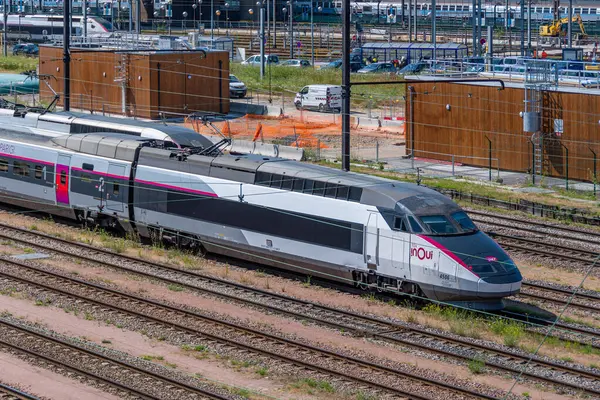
[(421, 253)]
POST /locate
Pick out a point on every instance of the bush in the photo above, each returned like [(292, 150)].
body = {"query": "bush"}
[(476, 366)]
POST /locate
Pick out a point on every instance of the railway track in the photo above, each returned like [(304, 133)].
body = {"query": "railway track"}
[(49, 350), (216, 333), (11, 393), (560, 296), (544, 249), (359, 325)]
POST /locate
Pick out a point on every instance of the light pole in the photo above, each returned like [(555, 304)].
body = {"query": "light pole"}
[(183, 25), (218, 14), (274, 26), (87, 10), (251, 12), (291, 13), (51, 24), (200, 16), (169, 15), (227, 19), (194, 6), (156, 14), (312, 35), (284, 11), (212, 19)]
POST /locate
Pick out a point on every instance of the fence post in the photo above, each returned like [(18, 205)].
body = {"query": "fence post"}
[(318, 149), (594, 153), (489, 158), (452, 164), (566, 166), (377, 151)]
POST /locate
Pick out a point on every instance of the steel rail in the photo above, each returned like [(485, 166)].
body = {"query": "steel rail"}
[(111, 382), (16, 393), (245, 330)]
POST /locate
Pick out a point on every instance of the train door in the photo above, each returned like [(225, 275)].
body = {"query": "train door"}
[(372, 242), (113, 189), (401, 256), (62, 179)]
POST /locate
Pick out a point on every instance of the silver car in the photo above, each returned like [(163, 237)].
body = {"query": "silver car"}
[(237, 88)]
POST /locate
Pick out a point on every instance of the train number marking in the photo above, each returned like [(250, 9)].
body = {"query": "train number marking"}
[(445, 276)]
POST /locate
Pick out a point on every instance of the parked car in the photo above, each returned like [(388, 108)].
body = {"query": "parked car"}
[(354, 65), (295, 63), (255, 60), (26, 49), (414, 68), (377, 68), (320, 97), (237, 88)]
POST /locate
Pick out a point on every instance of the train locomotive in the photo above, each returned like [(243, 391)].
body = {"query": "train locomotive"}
[(365, 231)]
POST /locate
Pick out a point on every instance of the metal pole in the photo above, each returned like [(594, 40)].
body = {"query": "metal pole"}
[(489, 158), (5, 30), (594, 181), (346, 85), (474, 27), (415, 20), (84, 21), (490, 41), (570, 23), (291, 13), (411, 125), (138, 17), (528, 27), (433, 28), (312, 34), (522, 28), (566, 166), (409, 19), (479, 24), (274, 26), (212, 19), (66, 55), (262, 42)]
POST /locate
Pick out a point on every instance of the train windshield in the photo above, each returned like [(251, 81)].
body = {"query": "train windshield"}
[(457, 223)]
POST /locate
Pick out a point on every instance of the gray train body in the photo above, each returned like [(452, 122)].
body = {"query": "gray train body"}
[(358, 230)]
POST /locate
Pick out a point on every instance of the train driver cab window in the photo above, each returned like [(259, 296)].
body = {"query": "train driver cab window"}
[(438, 224), (464, 221), (400, 224), (414, 225)]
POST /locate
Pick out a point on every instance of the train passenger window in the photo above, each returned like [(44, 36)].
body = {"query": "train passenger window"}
[(115, 188), (308, 186), (319, 188), (38, 172), (452, 8), (276, 181), (592, 11), (330, 189), (86, 178), (63, 177), (3, 166), (298, 185), (263, 178), (355, 194), (464, 221), (438, 7), (21, 169), (286, 182), (414, 225), (438, 224), (342, 192), (88, 167), (444, 8)]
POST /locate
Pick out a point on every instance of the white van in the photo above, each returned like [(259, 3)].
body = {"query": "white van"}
[(320, 97)]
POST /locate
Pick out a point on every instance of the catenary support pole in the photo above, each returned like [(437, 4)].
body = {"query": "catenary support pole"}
[(474, 27), (5, 30), (522, 28), (433, 30), (312, 34), (84, 21), (346, 85), (262, 42), (569, 26), (66, 55)]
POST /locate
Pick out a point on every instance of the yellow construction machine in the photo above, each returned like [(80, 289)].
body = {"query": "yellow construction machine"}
[(555, 29)]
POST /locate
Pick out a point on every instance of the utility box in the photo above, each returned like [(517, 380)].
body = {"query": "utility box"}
[(531, 121)]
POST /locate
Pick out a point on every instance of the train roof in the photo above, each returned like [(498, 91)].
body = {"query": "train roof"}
[(107, 144)]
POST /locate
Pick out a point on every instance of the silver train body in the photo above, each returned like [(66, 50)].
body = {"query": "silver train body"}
[(42, 27), (358, 230)]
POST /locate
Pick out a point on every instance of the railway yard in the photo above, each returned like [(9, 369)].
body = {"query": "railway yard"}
[(118, 319)]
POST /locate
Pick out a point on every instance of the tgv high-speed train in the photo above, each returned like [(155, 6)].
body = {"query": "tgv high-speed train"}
[(359, 230), (40, 27)]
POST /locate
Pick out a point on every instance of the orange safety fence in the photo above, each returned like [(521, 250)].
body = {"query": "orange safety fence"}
[(293, 131)]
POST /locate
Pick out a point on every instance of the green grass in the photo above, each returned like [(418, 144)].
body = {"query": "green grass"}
[(291, 80), (175, 288), (476, 366), (511, 331), (18, 63), (310, 384), (148, 357)]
